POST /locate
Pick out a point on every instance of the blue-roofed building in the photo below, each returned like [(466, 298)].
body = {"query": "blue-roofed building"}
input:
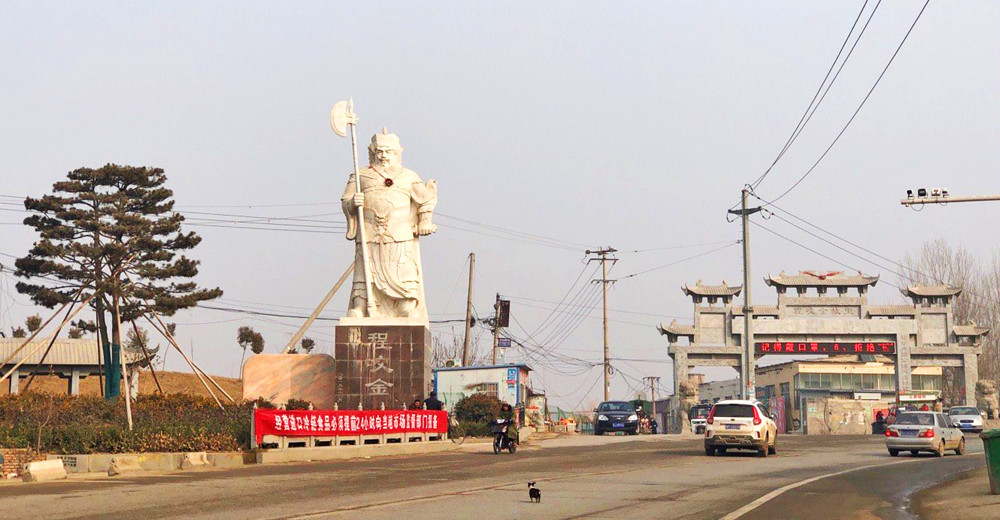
[(507, 382)]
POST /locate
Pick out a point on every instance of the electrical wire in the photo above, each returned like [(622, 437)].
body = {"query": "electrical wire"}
[(860, 106), (699, 255), (813, 104)]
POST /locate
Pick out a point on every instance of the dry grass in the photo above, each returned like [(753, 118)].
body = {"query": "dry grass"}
[(172, 383)]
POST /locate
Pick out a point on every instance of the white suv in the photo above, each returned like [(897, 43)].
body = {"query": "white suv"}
[(740, 424)]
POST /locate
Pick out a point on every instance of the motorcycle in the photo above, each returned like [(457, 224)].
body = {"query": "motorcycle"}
[(500, 439)]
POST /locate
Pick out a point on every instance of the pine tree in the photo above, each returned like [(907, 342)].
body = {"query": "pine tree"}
[(113, 230), (33, 323)]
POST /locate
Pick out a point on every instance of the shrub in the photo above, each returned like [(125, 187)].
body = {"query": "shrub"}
[(476, 414), (477, 408), (297, 404), (88, 424)]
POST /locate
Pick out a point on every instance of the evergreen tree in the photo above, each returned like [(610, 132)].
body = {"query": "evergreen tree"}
[(111, 229), (33, 323), (244, 338), (308, 344), (257, 345)]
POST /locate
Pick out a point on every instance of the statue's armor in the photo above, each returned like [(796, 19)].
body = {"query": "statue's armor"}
[(391, 214)]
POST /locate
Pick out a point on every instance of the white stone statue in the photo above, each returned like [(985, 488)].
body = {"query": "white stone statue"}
[(398, 208)]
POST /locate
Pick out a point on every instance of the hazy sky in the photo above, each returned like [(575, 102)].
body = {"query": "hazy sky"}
[(632, 125)]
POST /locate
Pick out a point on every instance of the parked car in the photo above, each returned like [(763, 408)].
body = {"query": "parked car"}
[(699, 417), (967, 418), (615, 416), (924, 431), (740, 424)]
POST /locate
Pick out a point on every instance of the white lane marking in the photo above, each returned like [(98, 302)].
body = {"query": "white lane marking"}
[(777, 492)]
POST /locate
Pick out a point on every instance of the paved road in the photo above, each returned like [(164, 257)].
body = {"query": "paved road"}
[(646, 477)]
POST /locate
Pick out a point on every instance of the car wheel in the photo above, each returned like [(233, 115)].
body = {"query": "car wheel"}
[(914, 452), (773, 449), (598, 432), (710, 451), (960, 450), (722, 451), (763, 451), (939, 452), (893, 453)]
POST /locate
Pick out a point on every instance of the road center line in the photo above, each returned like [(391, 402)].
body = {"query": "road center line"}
[(778, 492)]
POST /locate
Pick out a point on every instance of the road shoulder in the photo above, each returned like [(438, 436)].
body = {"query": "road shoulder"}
[(967, 497)]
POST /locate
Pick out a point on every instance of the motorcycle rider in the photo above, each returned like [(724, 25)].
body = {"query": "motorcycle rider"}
[(507, 414)]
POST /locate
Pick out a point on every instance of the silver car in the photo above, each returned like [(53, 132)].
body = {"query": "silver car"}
[(967, 418), (924, 431)]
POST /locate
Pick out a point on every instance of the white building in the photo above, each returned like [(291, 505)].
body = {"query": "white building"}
[(509, 383)]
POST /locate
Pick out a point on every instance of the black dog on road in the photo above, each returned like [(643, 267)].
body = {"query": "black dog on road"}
[(534, 494)]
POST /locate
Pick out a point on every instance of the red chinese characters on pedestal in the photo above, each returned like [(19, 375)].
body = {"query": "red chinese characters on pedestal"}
[(308, 423)]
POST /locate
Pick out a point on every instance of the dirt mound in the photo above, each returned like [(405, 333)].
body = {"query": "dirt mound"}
[(172, 383)]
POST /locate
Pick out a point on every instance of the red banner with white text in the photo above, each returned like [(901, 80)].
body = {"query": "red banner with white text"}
[(308, 423)]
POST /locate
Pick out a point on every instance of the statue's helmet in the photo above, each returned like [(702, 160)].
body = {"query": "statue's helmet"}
[(386, 140)]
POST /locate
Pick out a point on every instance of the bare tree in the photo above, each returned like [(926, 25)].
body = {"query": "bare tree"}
[(443, 350), (938, 263)]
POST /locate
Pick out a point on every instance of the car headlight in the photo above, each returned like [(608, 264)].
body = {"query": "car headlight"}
[(602, 417), (633, 417)]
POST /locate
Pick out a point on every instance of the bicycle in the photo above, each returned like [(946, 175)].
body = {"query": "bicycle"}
[(456, 432)]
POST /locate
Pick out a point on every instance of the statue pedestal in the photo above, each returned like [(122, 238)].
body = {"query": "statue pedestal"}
[(381, 362)]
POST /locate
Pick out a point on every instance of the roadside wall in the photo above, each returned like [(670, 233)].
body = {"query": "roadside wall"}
[(15, 458), (840, 416)]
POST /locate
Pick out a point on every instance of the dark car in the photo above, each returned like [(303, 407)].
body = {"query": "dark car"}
[(615, 416), (699, 417)]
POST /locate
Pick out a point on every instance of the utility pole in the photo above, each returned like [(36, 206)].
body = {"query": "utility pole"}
[(653, 383), (496, 328), (942, 197), (468, 312), (747, 368), (602, 256)]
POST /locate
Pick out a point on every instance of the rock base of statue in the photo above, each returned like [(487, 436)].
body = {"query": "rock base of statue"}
[(381, 362)]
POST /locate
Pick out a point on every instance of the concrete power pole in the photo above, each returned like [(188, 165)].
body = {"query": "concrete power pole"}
[(653, 383), (468, 312), (602, 256), (496, 328), (747, 369)]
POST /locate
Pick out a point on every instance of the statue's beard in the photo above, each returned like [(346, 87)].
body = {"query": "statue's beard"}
[(389, 166)]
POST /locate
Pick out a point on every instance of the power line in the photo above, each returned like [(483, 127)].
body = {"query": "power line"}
[(811, 109), (512, 232), (860, 257), (860, 106), (807, 248), (657, 315), (687, 246), (729, 244)]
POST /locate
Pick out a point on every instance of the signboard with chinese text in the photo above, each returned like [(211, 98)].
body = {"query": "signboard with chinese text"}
[(329, 423), (381, 365), (824, 347)]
